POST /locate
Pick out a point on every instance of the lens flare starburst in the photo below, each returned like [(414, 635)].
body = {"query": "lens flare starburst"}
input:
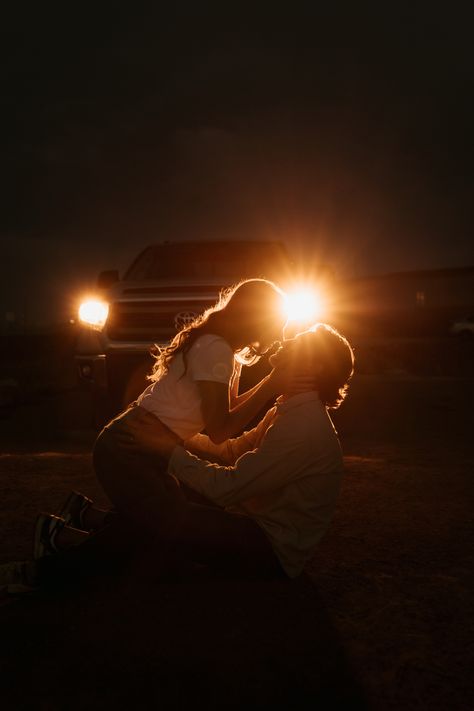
[(304, 305)]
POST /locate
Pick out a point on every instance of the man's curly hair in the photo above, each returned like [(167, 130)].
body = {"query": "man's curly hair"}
[(334, 355)]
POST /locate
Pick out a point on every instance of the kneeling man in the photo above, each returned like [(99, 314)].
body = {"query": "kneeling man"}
[(274, 487)]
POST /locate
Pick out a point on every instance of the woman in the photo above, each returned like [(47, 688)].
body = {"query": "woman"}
[(194, 388), (195, 380)]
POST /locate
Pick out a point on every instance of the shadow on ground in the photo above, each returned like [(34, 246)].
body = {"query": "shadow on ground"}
[(116, 644), (388, 588)]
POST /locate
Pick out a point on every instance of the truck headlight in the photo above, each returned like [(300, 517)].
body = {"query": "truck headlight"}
[(94, 312)]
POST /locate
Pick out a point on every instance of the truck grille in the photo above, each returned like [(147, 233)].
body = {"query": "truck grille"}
[(153, 321)]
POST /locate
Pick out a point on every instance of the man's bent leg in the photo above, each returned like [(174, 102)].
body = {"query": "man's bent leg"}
[(233, 545)]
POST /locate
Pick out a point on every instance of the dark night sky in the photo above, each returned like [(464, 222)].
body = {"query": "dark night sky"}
[(344, 130)]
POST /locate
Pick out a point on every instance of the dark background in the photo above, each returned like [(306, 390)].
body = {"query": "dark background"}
[(342, 130)]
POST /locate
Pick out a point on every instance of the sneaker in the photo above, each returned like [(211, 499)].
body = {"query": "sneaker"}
[(47, 528), (74, 508), (18, 577)]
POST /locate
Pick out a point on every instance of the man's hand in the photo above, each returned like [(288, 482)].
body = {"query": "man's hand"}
[(144, 433)]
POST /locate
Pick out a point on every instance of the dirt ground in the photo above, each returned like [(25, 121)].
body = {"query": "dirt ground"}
[(381, 619)]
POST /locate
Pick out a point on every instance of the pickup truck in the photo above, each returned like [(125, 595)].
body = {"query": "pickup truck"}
[(165, 288)]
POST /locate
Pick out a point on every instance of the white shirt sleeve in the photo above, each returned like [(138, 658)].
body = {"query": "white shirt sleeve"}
[(211, 358)]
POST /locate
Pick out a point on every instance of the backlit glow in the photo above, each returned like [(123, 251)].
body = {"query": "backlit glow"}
[(304, 305), (94, 312)]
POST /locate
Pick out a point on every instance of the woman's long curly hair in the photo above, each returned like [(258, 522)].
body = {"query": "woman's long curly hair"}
[(245, 310)]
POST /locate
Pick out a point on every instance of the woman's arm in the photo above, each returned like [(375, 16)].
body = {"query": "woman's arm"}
[(221, 419), (239, 399), (234, 384), (226, 416)]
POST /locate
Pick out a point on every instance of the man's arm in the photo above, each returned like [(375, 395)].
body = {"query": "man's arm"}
[(145, 433), (229, 451), (273, 464)]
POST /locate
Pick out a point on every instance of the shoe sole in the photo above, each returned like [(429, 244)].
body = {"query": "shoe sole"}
[(40, 550), (65, 510)]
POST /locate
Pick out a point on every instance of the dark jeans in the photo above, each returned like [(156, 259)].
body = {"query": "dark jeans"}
[(229, 546), (160, 520)]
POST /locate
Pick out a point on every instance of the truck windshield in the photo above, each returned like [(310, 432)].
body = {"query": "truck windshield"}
[(226, 261)]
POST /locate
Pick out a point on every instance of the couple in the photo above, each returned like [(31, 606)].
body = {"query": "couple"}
[(253, 505)]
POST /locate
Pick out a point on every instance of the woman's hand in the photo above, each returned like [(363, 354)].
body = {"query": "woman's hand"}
[(292, 373), (289, 381)]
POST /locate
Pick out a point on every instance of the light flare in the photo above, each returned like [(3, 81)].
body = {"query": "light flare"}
[(94, 312), (304, 305)]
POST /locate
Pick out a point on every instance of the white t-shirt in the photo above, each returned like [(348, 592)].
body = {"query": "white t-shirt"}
[(174, 398)]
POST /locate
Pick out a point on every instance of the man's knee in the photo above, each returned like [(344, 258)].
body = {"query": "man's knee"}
[(157, 510)]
